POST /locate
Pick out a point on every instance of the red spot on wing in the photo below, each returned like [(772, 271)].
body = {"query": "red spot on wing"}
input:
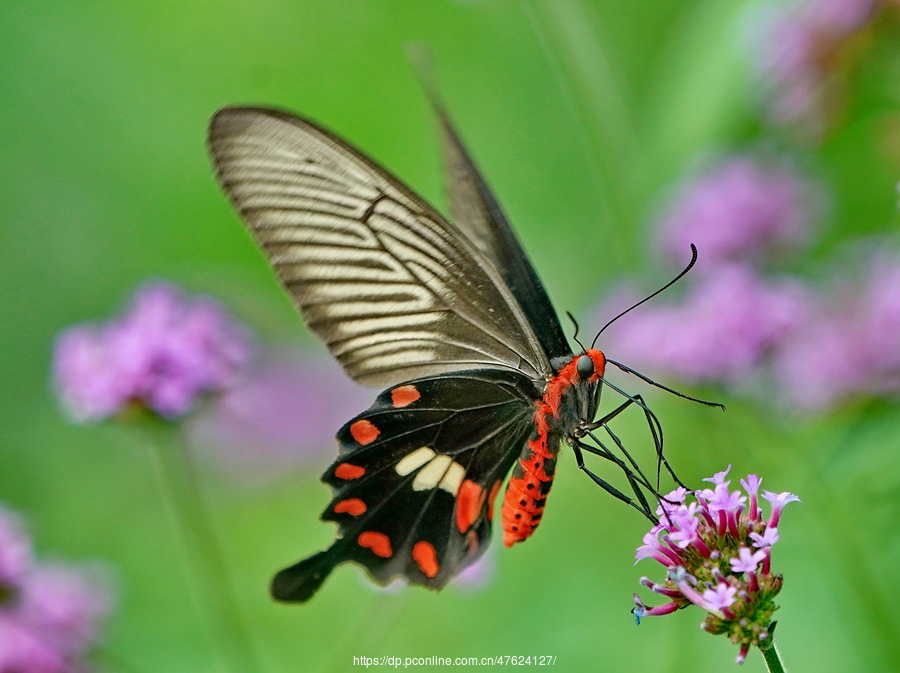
[(404, 396), (352, 506), (469, 500), (491, 498), (377, 542), (364, 431), (423, 553), (348, 471)]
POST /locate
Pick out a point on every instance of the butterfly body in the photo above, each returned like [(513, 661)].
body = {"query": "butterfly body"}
[(568, 401), (450, 318)]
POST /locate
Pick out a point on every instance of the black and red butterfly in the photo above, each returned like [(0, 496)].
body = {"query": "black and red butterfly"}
[(450, 318)]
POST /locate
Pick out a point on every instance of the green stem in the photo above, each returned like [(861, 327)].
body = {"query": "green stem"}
[(836, 503), (181, 484), (774, 662)]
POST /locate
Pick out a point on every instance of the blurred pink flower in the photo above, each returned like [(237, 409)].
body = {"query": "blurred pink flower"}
[(738, 209), (839, 16), (164, 352), (849, 347), (473, 578), (15, 549), (478, 575), (817, 365), (720, 332), (66, 605), (798, 53), (24, 651), (50, 613), (878, 313), (282, 413)]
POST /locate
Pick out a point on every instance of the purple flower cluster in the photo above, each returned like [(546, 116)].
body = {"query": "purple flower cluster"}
[(165, 351), (799, 53), (745, 328), (50, 613), (282, 413), (731, 317), (742, 208), (850, 346), (717, 553), (727, 322)]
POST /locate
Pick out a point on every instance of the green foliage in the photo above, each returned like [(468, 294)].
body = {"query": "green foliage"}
[(581, 114)]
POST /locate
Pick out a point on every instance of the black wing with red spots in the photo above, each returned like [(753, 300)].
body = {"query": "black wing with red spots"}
[(416, 479)]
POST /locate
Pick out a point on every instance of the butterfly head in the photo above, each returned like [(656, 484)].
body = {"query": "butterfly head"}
[(585, 366), (591, 365)]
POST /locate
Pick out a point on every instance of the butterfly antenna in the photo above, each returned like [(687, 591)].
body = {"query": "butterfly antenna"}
[(649, 297), (647, 379), (575, 336)]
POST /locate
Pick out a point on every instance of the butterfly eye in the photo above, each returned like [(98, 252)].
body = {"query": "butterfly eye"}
[(585, 366)]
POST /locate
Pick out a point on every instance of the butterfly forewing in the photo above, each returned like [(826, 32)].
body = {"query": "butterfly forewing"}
[(393, 289), (479, 215), (416, 478)]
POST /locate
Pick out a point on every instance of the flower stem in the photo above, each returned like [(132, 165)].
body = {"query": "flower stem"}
[(181, 484), (774, 662)]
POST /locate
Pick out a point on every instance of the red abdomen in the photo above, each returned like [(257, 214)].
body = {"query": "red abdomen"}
[(532, 477)]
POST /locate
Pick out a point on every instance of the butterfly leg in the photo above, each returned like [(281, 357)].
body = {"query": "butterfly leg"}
[(656, 432), (632, 476), (652, 421), (604, 423), (635, 470), (647, 379), (653, 424), (644, 508)]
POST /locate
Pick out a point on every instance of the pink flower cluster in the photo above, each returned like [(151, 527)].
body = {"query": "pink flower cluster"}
[(800, 54), (849, 346), (50, 613), (717, 552), (722, 330), (739, 209), (165, 351), (751, 330), (281, 414), (736, 212)]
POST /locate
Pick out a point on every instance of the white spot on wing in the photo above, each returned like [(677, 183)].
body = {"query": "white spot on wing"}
[(414, 461), (453, 478), (430, 475)]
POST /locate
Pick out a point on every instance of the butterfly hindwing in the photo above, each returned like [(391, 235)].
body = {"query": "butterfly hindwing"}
[(416, 478)]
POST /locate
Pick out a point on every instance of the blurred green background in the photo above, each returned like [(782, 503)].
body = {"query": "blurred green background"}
[(581, 114)]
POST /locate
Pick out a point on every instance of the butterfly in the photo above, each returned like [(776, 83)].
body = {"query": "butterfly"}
[(450, 318)]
